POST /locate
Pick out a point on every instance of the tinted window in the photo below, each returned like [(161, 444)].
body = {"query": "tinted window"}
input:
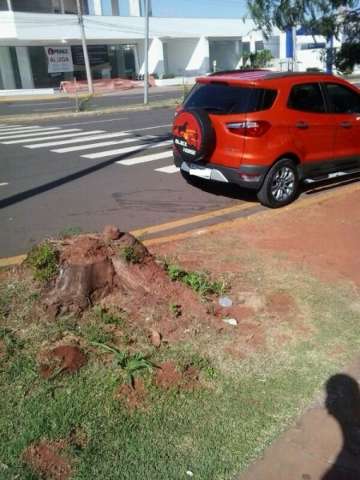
[(225, 99), (342, 99), (307, 98)]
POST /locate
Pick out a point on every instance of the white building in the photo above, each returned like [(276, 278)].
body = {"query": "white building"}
[(178, 46)]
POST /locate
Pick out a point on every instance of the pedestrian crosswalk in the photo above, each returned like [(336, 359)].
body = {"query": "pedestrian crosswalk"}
[(129, 148)]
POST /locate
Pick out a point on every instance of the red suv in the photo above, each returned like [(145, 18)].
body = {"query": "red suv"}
[(268, 131)]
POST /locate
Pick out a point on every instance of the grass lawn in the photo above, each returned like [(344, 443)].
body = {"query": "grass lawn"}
[(214, 430)]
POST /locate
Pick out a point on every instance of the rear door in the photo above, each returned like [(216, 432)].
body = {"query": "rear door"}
[(344, 109), (225, 103), (312, 128)]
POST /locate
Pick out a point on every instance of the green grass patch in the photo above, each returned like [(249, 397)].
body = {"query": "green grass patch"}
[(131, 254), (215, 431), (200, 282), (43, 260)]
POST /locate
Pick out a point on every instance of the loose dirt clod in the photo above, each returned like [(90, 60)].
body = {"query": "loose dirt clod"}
[(169, 377), (111, 232), (155, 338), (61, 359), (45, 460)]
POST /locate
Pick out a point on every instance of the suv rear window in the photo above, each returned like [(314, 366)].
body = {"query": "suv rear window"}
[(221, 98)]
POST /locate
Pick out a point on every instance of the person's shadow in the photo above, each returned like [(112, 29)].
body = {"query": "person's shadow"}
[(343, 403)]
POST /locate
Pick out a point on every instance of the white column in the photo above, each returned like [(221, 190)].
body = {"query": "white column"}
[(97, 7), (134, 8), (9, 5), (25, 69), (199, 61), (156, 57), (6, 69)]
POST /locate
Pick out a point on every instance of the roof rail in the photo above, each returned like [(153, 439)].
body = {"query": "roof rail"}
[(239, 70)]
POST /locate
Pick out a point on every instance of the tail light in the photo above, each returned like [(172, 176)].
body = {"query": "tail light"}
[(249, 128)]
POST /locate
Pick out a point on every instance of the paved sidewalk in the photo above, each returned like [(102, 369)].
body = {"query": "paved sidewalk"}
[(325, 442)]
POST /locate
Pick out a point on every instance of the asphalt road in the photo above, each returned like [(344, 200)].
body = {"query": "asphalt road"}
[(61, 105), (77, 182)]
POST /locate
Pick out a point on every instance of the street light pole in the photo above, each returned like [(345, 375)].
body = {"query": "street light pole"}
[(146, 59), (294, 59), (85, 50), (9, 5)]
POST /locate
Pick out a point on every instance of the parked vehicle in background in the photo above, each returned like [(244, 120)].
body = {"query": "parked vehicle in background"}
[(268, 131)]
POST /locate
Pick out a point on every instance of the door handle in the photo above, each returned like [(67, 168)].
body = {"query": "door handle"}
[(345, 124), (302, 125)]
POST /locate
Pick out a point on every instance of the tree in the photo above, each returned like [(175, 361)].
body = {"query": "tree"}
[(323, 17), (349, 54)]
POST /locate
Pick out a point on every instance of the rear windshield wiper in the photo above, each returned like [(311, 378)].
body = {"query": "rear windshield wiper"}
[(215, 109)]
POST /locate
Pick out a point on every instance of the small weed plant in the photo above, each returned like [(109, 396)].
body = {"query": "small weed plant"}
[(43, 260), (131, 364), (131, 255), (197, 281)]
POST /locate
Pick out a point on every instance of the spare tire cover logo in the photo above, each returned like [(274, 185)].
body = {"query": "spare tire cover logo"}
[(187, 133)]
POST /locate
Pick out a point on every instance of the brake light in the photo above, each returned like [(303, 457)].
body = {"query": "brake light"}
[(249, 128)]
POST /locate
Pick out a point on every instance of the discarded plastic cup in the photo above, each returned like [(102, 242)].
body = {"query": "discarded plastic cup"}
[(225, 301)]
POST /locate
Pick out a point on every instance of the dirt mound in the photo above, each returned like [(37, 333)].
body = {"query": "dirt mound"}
[(134, 396), (61, 359), (116, 269), (45, 460), (168, 376)]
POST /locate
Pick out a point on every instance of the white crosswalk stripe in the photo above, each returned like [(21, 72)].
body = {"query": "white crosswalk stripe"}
[(18, 127), (67, 135), (168, 169), (84, 139), (25, 136), (94, 145), (122, 151), (138, 148), (145, 158)]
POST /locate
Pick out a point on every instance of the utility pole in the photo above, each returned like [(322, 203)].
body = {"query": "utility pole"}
[(294, 56), (85, 50), (146, 59)]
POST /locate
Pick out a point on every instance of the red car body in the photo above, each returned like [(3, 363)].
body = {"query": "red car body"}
[(311, 120)]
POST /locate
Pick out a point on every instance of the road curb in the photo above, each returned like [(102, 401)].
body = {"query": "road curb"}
[(300, 204), (78, 115)]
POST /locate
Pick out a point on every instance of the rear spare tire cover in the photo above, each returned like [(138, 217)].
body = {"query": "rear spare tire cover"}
[(193, 135)]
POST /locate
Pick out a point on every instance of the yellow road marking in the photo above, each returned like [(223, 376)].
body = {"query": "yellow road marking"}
[(194, 219), (302, 203), (8, 262)]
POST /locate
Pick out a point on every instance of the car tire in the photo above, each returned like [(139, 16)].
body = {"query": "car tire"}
[(281, 184)]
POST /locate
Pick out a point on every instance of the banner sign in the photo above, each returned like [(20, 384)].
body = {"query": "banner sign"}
[(59, 59)]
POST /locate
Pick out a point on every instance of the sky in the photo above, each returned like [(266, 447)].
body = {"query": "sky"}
[(191, 8)]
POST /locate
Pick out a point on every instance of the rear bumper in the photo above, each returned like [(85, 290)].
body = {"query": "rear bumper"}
[(246, 176)]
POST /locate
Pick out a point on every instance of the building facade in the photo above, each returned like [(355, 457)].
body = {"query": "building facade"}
[(40, 43)]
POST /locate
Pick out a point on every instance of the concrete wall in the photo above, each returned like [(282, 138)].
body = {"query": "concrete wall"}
[(188, 57)]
